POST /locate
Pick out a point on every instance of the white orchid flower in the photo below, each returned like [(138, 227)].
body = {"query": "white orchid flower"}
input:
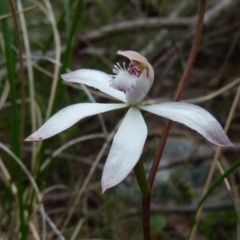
[(130, 86)]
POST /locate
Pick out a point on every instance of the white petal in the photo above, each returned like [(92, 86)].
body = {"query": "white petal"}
[(126, 149), (194, 117), (68, 116), (95, 79)]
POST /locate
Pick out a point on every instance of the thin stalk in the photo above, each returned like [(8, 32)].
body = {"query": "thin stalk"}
[(21, 70), (179, 91), (67, 16), (146, 198), (146, 223)]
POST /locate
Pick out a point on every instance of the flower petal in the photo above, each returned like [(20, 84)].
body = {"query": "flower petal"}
[(194, 117), (68, 116), (126, 149), (95, 79)]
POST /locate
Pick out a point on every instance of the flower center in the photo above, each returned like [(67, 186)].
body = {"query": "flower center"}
[(122, 79)]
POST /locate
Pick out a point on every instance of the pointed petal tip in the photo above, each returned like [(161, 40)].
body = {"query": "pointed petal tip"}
[(228, 144), (32, 139), (105, 186), (65, 77), (223, 142), (104, 190), (28, 139)]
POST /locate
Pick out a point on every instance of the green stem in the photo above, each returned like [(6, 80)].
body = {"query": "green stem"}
[(141, 178), (21, 71), (146, 198)]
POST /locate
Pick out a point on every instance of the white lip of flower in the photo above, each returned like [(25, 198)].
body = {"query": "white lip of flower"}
[(135, 81), (129, 83), (122, 80), (129, 140)]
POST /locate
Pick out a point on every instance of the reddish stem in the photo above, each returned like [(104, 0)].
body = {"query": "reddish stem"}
[(179, 91), (146, 228), (146, 200)]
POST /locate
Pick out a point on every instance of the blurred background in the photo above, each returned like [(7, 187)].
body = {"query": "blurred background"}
[(51, 189)]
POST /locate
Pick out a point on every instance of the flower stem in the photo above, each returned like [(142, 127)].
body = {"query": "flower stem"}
[(146, 198), (146, 202), (179, 91), (141, 178)]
